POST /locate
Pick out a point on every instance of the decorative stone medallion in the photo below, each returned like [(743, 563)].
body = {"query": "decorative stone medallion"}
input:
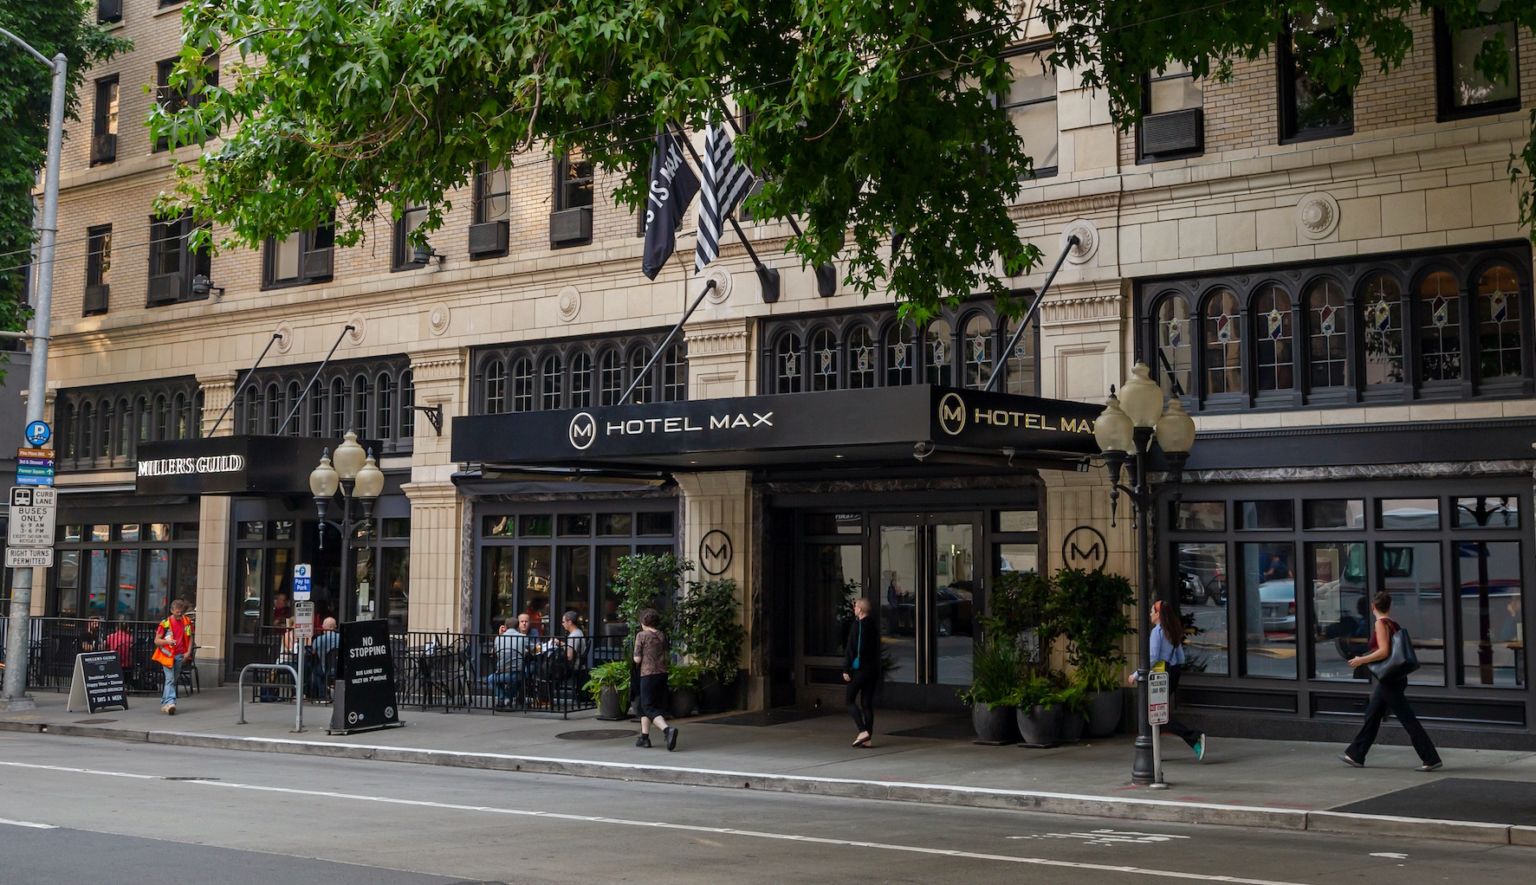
[(1317, 215), (722, 289), (359, 329), (438, 319), (1087, 234), (568, 303), (284, 333)]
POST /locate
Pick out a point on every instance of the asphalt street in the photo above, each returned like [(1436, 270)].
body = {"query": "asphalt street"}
[(75, 810)]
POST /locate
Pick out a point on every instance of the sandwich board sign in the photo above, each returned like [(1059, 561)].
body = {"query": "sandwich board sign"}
[(98, 683)]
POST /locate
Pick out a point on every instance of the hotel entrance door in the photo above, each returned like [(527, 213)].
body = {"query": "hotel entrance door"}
[(929, 591)]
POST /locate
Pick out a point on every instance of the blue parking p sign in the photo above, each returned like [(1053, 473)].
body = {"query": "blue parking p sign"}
[(38, 433), (301, 582)]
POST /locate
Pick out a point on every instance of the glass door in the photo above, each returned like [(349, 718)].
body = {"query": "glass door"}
[(926, 566)]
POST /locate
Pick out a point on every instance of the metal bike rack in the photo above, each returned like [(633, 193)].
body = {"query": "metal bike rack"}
[(298, 693)]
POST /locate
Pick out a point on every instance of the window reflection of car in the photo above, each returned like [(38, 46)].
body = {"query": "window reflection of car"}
[(953, 608), (1277, 606), (1193, 590)]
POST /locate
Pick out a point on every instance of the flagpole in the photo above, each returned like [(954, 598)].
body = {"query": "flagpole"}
[(768, 276), (666, 342)]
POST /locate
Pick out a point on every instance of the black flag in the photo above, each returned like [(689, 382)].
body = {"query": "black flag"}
[(672, 187)]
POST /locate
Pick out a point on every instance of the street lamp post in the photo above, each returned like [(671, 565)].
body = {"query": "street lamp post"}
[(1126, 431), (13, 693), (356, 476)]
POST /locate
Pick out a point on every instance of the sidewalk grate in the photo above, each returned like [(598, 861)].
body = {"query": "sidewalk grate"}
[(1457, 798), (596, 734), (93, 721), (768, 717)]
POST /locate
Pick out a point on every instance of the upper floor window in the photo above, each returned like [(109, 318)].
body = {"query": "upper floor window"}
[(109, 11), (406, 254), (577, 374), (1464, 91), (357, 395), (492, 211), (103, 426), (1441, 325), (1310, 107), (185, 94), (104, 121), (855, 351), (173, 263), (570, 222), (1173, 116), (1031, 105), (98, 270), (299, 258)]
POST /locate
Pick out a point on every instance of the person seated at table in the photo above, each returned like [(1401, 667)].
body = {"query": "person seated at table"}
[(320, 674), (507, 681), (287, 653), (120, 641), (573, 644), (90, 640)]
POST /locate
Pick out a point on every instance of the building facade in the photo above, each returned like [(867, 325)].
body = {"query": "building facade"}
[(1335, 283)]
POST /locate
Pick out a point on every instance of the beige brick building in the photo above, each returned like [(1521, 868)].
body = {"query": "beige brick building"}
[(1338, 284)]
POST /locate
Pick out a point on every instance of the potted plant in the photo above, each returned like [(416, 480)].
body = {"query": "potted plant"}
[(996, 672), (1073, 700), (683, 682), (1039, 710), (642, 581), (1092, 608), (608, 684), (709, 630)]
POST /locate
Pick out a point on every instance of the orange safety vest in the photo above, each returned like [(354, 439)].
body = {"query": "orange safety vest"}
[(181, 640)]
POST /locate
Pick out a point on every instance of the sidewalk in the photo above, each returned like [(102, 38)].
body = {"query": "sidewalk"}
[(1481, 795)]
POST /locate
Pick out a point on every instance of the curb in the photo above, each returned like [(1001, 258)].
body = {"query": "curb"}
[(1126, 808)]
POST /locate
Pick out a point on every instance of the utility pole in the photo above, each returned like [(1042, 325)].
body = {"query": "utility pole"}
[(13, 696)]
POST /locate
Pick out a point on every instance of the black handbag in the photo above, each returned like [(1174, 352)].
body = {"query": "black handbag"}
[(1400, 662)]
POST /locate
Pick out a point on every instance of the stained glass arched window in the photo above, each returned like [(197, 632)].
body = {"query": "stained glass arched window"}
[(1223, 354), (900, 354), (338, 407), (1381, 320), (979, 349), (611, 377), (674, 374), (861, 357), (407, 421), (360, 410), (383, 404), (182, 418), (1274, 368), (122, 431), (1327, 335), (824, 359), (88, 431), (788, 364), (939, 353), (645, 391), (581, 380), (1175, 344), (551, 381), (142, 418), (1498, 323), (319, 398), (1019, 375), (522, 384), (1439, 322), (495, 387)]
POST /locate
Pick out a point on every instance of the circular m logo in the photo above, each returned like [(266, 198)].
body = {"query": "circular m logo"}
[(715, 553), (951, 414), (583, 431), (1084, 548)]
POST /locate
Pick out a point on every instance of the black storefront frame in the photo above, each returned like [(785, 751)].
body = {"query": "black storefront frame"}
[(182, 522), (1334, 702)]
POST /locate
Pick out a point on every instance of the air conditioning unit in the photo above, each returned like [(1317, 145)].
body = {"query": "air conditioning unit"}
[(109, 11), (95, 300), (166, 289), (1174, 133), (489, 238), (570, 227), (103, 148), (316, 264)]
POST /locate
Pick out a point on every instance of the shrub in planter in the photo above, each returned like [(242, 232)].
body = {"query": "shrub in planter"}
[(1073, 700), (1022, 605), (1094, 622), (1104, 706), (1039, 714), (642, 581), (997, 670), (707, 628), (608, 684), (683, 685)]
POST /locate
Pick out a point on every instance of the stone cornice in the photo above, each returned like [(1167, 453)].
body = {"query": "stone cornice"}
[(1069, 207)]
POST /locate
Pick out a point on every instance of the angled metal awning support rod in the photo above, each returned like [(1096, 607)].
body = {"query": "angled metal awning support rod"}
[(315, 377), (1034, 309), (666, 342), (768, 276), (235, 397)]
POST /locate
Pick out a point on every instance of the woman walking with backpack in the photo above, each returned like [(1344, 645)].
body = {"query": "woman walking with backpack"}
[(1389, 692), (1167, 648)]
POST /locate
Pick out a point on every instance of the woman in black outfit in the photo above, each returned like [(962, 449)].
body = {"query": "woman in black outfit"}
[(861, 671), (1388, 693)]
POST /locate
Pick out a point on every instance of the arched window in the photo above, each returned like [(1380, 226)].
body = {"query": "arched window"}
[(900, 342), (407, 422), (197, 414), (1273, 339), (1175, 344), (360, 406), (611, 377), (674, 374), (788, 364), (551, 382), (104, 428), (1498, 323), (317, 410), (87, 431), (183, 418), (645, 391), (251, 410), (383, 404), (338, 407), (141, 417), (939, 353), (1019, 375), (1439, 322), (163, 417), (122, 434), (495, 387), (1223, 343), (979, 345), (581, 380), (273, 405), (1327, 335), (1381, 318), (522, 385), (861, 357), (292, 407), (824, 354), (69, 436)]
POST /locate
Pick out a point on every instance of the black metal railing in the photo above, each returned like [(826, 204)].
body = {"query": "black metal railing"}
[(54, 642)]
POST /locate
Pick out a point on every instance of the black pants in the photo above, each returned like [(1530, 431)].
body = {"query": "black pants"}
[(1174, 726), (860, 697), (1391, 695)]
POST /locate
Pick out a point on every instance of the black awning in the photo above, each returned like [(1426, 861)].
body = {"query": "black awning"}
[(889, 424), (230, 465)]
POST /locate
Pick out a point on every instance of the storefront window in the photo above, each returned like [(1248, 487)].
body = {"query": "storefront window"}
[(1412, 573), (127, 591), (1268, 610), (96, 583), (499, 581), (1200, 516), (575, 525), (158, 531), (1492, 634), (1202, 578), (1409, 513), (1488, 512), (574, 581), (1333, 514), (1341, 607), (1265, 516), (68, 583), (835, 578), (248, 584)]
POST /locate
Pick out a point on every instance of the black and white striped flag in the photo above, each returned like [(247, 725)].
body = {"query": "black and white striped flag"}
[(726, 182)]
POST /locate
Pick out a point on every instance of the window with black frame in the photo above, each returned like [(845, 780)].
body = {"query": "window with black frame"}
[(104, 121), (98, 270), (553, 375), (1312, 105), (124, 571), (174, 97), (1464, 86), (370, 397), (103, 426), (1031, 105), (174, 262), (299, 259), (406, 254)]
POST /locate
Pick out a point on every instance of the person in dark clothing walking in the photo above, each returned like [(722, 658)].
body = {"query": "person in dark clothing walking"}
[(651, 657), (1388, 694), (861, 671)]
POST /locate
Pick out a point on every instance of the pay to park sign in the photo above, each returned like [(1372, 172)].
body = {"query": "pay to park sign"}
[(365, 683)]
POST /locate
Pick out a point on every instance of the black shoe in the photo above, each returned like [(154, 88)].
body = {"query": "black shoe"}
[(643, 740), (671, 733)]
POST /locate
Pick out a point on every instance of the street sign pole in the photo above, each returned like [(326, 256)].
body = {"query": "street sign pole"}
[(1157, 716)]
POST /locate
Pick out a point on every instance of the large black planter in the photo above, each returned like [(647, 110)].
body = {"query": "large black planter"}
[(1040, 726), (716, 696), (995, 724), (1105, 710), (608, 706), (683, 702), (1072, 725)]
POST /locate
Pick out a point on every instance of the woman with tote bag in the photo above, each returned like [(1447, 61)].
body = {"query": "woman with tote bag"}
[(1390, 658)]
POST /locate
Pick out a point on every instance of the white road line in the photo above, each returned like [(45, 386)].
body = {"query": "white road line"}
[(690, 828), (26, 823)]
